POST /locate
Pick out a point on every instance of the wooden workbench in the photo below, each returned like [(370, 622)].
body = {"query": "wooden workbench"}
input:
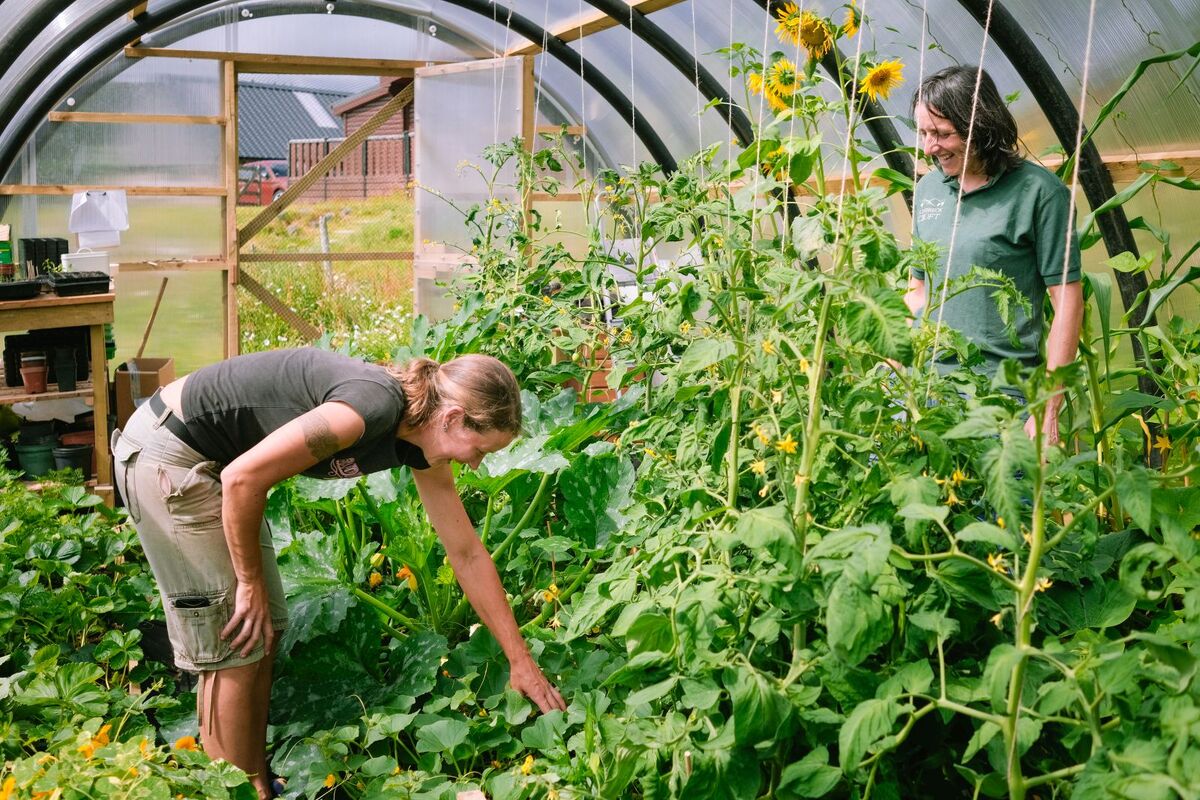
[(52, 311)]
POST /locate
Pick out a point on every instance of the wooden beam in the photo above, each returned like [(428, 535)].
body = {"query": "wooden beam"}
[(571, 130), (173, 265), (288, 315), (133, 119), (333, 158), (288, 64), (283, 258), (592, 22), (132, 191), (138, 10)]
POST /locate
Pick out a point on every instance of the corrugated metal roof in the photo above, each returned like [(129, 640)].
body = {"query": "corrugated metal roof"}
[(269, 116)]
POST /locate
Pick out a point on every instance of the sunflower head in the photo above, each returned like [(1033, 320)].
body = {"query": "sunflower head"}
[(783, 78), (850, 26), (882, 78), (814, 34), (788, 29)]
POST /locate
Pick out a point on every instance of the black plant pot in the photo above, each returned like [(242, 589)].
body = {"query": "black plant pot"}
[(64, 368)]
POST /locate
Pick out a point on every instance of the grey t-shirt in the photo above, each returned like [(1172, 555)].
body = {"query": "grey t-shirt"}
[(231, 406)]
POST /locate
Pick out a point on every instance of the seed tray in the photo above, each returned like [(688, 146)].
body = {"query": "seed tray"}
[(67, 284), (20, 290)]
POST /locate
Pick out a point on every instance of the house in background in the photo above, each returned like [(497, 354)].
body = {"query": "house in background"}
[(270, 117), (381, 165)]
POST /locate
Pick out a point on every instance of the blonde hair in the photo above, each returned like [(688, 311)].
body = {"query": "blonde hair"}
[(482, 386)]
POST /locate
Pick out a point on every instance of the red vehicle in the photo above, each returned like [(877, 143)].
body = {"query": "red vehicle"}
[(260, 183)]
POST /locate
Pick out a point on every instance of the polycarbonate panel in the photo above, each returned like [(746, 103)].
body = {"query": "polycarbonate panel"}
[(160, 228), (115, 154), (189, 321), (484, 108), (150, 86)]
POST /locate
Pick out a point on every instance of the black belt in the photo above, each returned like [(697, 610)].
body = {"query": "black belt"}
[(172, 423)]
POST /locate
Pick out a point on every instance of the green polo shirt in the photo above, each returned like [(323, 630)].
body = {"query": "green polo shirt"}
[(1016, 224)]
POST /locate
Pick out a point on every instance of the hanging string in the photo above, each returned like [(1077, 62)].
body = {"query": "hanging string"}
[(944, 290), (498, 79), (537, 94), (632, 96), (912, 228), (696, 78), (1083, 92), (853, 95), (761, 108)]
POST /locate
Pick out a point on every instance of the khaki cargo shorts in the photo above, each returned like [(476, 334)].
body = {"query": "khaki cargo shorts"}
[(173, 495)]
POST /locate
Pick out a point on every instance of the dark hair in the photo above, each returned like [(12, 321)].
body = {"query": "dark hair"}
[(948, 93), (482, 386)]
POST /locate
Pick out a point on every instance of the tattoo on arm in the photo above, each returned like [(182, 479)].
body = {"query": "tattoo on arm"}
[(318, 437)]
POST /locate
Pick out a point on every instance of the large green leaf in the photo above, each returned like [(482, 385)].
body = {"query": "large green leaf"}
[(1007, 465), (870, 721), (759, 706), (880, 321), (811, 776), (857, 622), (597, 489), (703, 353), (317, 598), (442, 736)]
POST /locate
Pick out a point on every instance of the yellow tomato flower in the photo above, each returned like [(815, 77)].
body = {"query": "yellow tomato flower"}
[(1043, 584), (1162, 444), (804, 365), (186, 743), (758, 467), (527, 765), (768, 347), (763, 437), (786, 445), (996, 561), (685, 327), (1000, 522), (957, 477), (882, 78), (763, 491), (776, 397), (952, 498), (997, 617)]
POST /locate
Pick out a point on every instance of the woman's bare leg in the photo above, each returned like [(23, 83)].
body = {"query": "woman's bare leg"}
[(233, 718)]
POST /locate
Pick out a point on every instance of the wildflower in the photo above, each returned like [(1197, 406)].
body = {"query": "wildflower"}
[(850, 26), (758, 467), (550, 594), (786, 445), (1163, 445), (1043, 584), (685, 327), (996, 562), (882, 78), (782, 78), (527, 765), (375, 580), (186, 743), (768, 347), (406, 574), (330, 780)]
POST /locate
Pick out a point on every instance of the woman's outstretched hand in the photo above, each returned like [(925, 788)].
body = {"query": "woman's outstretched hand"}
[(527, 678)]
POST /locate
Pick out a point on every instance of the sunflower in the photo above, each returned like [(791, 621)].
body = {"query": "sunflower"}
[(882, 78), (813, 32), (759, 86), (850, 26), (788, 28), (782, 78)]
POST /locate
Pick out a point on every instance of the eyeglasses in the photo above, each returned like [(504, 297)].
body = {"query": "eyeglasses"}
[(937, 136)]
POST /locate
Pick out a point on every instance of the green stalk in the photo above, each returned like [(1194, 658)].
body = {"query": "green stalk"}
[(812, 429), (735, 424), (384, 607), (1026, 590), (562, 596)]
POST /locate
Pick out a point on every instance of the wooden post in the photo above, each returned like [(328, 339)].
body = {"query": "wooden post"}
[(229, 104)]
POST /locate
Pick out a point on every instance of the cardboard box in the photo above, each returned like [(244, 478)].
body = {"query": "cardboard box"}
[(137, 379)]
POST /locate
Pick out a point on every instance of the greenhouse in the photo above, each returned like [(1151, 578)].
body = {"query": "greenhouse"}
[(461, 399)]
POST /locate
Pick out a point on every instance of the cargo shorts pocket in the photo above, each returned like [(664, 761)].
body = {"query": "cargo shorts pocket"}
[(193, 495), (125, 455), (200, 627)]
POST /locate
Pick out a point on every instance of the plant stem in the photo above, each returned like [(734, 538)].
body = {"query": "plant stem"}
[(812, 430), (384, 607)]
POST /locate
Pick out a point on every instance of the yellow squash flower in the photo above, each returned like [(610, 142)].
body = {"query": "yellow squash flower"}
[(882, 78), (186, 743), (374, 580), (10, 784), (330, 780), (527, 765), (550, 594), (406, 574)]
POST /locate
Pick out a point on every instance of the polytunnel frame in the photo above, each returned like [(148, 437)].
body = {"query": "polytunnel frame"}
[(1003, 28)]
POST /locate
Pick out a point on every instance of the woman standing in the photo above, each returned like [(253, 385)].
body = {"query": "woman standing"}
[(195, 463), (1012, 216)]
